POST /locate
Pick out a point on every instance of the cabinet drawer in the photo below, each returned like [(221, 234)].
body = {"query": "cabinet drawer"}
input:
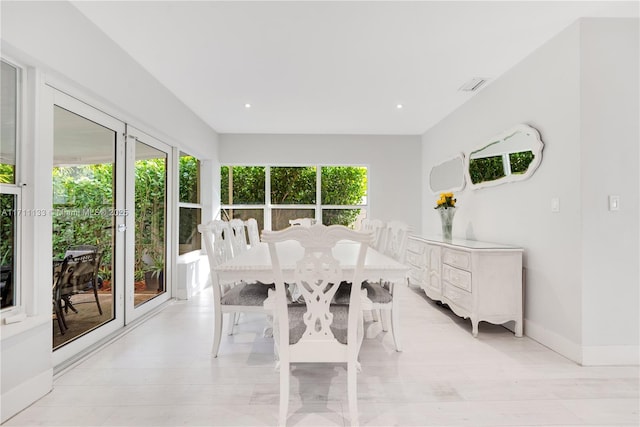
[(457, 296), (417, 260), (415, 246), (457, 277), (457, 259)]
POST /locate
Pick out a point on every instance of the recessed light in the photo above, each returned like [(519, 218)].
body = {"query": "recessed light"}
[(399, 106), (247, 105)]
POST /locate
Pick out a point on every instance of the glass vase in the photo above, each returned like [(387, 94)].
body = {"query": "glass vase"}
[(446, 218)]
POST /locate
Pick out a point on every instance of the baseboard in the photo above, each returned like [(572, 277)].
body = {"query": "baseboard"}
[(20, 397), (555, 342), (611, 355)]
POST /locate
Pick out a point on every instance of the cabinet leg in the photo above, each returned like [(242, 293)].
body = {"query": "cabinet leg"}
[(474, 328), (519, 329)]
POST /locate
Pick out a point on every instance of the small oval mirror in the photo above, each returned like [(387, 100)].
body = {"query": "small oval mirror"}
[(448, 176), (512, 156)]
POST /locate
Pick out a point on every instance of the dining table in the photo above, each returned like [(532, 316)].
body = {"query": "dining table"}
[(254, 264)]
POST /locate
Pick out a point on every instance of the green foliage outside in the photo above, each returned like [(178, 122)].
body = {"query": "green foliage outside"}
[(189, 173), (189, 218), (7, 173), (293, 185), (150, 202), (82, 205), (486, 169), (248, 185), (520, 161), (84, 212), (340, 186), (7, 216)]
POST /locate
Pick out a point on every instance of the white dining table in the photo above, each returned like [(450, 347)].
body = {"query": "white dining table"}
[(255, 263)]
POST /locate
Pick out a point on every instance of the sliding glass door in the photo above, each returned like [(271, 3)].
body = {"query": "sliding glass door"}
[(88, 222), (109, 217), (148, 176)]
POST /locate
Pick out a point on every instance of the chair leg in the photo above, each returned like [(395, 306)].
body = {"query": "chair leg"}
[(217, 331), (59, 318), (232, 322), (352, 392), (68, 305), (61, 311), (395, 325), (285, 369), (95, 293), (384, 319)]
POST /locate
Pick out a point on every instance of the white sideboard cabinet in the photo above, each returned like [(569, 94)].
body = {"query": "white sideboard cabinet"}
[(477, 280)]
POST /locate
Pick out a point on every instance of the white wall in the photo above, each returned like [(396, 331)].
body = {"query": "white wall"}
[(576, 257), (63, 49), (394, 164), (609, 158)]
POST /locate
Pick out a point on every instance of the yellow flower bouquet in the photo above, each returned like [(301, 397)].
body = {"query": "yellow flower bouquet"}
[(445, 201)]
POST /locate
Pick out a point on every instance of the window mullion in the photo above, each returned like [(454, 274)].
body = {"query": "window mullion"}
[(318, 214), (267, 198)]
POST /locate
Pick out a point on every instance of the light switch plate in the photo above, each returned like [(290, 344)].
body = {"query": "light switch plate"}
[(555, 204)]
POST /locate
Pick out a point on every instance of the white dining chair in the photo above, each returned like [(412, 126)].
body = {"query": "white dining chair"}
[(304, 222), (379, 228), (395, 240), (317, 331), (252, 231), (230, 298), (380, 294), (238, 236)]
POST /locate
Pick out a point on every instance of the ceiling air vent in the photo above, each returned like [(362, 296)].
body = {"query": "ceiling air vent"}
[(473, 84)]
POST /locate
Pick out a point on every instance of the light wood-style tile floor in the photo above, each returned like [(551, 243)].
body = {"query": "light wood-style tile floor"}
[(162, 374)]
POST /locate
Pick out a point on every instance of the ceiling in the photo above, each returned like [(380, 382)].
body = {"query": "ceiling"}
[(332, 67)]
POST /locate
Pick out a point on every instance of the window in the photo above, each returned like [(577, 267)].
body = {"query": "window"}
[(274, 195), (10, 211), (189, 204), (243, 193)]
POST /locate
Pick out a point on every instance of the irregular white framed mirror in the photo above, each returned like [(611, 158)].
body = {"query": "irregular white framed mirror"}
[(448, 175), (514, 155)]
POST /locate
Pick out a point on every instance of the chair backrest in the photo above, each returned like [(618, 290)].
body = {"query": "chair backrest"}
[(305, 222), (76, 273), (318, 276), (397, 235), (252, 231), (80, 250), (379, 229), (217, 241), (238, 236)]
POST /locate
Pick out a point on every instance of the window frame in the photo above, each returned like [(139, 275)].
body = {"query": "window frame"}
[(189, 205), (15, 189), (318, 207)]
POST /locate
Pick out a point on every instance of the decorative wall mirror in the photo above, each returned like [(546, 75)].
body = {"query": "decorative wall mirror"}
[(448, 176), (512, 156)]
